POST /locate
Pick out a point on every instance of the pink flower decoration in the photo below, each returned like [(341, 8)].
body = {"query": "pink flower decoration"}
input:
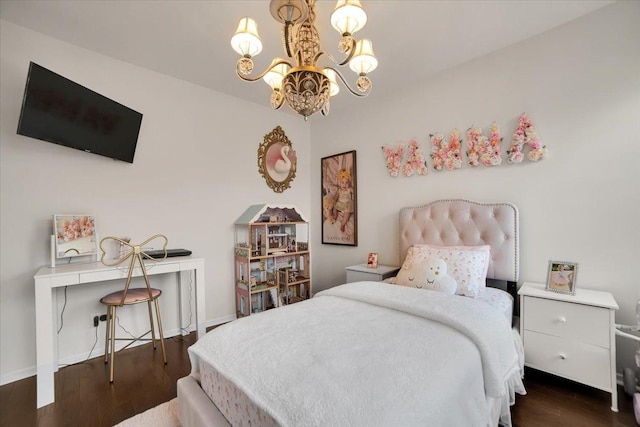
[(446, 152), (493, 148), (473, 145), (415, 160), (525, 134), (482, 149), (393, 158)]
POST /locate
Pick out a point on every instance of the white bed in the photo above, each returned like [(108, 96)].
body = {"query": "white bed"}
[(371, 353)]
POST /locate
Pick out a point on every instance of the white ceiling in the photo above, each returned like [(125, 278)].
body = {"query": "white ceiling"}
[(189, 40)]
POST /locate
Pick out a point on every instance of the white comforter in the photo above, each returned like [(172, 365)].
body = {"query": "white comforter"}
[(371, 354)]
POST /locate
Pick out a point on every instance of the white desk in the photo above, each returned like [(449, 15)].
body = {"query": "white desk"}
[(47, 278)]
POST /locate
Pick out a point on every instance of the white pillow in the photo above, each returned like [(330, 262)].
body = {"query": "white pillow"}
[(467, 265), (430, 274), (486, 248)]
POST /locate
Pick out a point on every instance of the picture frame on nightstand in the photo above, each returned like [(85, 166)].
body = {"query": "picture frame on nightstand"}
[(561, 277), (372, 260)]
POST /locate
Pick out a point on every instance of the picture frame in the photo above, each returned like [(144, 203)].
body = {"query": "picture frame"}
[(561, 277), (74, 235), (277, 162), (372, 260), (339, 199)]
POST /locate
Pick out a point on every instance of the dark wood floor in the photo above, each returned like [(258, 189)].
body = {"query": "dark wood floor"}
[(84, 396)]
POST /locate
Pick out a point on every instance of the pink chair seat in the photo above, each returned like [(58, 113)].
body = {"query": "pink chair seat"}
[(133, 296)]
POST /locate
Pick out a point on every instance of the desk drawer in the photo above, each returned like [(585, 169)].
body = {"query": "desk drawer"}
[(577, 361), (123, 270), (578, 322)]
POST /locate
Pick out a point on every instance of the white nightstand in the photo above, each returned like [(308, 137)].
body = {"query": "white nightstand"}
[(571, 336), (357, 273)]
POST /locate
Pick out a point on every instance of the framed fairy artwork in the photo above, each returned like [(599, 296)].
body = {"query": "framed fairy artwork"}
[(339, 199)]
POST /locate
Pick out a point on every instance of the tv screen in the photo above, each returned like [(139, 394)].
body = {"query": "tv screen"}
[(57, 110)]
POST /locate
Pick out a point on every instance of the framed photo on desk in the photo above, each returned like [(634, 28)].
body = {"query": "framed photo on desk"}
[(75, 235)]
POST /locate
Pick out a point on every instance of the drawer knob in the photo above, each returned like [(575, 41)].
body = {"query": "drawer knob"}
[(562, 319), (562, 356)]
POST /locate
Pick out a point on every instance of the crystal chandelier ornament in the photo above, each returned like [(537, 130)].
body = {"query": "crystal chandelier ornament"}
[(299, 81)]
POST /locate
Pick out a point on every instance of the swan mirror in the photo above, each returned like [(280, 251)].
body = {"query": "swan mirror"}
[(277, 160)]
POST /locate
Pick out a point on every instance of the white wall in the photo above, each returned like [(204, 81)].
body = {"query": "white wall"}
[(195, 172), (580, 84)]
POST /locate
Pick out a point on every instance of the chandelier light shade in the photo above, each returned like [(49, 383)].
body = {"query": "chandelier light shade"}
[(363, 60), (332, 80), (275, 75), (348, 17), (246, 40), (299, 80)]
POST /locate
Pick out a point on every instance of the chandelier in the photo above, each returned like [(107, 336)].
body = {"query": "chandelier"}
[(300, 81)]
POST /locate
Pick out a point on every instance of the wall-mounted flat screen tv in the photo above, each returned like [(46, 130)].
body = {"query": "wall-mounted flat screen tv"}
[(57, 110)]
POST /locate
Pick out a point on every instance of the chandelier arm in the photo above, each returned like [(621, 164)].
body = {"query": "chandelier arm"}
[(274, 63), (350, 53), (353, 92)]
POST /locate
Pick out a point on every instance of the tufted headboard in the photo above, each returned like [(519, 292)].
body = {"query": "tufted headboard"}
[(465, 223)]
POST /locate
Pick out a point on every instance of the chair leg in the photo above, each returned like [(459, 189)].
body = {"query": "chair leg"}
[(153, 334), (106, 336), (164, 354), (113, 340)]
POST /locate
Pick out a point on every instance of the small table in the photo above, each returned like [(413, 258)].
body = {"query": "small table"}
[(360, 272), (572, 336), (47, 279)]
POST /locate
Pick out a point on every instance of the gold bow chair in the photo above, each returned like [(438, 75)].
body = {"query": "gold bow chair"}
[(131, 296)]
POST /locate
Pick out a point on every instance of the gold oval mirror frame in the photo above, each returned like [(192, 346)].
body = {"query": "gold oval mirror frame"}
[(276, 160)]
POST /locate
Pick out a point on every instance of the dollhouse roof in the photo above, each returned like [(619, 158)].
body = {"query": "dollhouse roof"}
[(262, 213)]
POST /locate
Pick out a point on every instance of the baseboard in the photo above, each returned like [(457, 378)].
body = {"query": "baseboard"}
[(99, 351), (219, 321), (17, 375)]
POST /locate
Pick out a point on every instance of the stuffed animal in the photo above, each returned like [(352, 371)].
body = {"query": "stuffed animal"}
[(437, 277), (428, 274)]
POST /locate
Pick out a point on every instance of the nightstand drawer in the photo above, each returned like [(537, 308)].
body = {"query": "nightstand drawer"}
[(578, 361), (577, 322)]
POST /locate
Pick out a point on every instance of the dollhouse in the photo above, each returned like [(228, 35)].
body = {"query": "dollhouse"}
[(271, 258)]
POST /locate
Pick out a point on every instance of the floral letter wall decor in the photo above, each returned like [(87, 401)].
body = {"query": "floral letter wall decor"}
[(525, 134), (415, 160), (437, 158), (494, 158), (394, 158), (446, 153), (475, 140), (483, 150)]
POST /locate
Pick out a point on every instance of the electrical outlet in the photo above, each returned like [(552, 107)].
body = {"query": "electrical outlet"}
[(96, 320)]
